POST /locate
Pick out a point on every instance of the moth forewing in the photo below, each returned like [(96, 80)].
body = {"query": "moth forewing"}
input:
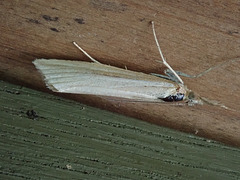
[(98, 79)]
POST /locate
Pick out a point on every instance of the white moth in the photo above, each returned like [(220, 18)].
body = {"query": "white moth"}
[(94, 78)]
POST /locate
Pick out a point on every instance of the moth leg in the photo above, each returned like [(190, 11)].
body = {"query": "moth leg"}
[(169, 73), (84, 52), (169, 76)]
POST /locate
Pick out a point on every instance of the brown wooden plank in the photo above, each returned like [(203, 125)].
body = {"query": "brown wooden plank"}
[(194, 36)]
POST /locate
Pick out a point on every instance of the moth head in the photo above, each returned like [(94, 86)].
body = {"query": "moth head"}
[(192, 98), (191, 95), (180, 94)]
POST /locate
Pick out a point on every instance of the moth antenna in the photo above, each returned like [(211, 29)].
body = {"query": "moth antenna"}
[(161, 54), (84, 52)]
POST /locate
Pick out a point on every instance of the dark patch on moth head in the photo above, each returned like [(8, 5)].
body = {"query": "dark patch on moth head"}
[(49, 18), (171, 98), (54, 29), (79, 20)]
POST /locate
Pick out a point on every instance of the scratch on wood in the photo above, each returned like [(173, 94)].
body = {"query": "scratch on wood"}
[(49, 18)]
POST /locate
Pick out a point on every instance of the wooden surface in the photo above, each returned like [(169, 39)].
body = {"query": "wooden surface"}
[(47, 137), (194, 36)]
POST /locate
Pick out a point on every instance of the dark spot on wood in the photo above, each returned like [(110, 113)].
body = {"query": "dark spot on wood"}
[(232, 32), (31, 114), (35, 21), (54, 8), (49, 18), (142, 19), (54, 29), (102, 41), (79, 20)]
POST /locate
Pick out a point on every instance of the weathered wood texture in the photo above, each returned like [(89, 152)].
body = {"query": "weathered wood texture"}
[(46, 137), (194, 36)]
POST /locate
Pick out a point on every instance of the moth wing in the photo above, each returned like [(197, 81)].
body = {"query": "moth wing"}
[(98, 79)]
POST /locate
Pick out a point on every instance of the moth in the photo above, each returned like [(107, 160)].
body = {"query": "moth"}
[(95, 78)]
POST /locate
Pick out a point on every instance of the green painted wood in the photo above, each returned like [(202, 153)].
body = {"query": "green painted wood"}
[(47, 137)]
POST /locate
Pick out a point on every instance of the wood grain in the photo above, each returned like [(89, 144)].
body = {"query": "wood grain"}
[(47, 137), (194, 36)]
